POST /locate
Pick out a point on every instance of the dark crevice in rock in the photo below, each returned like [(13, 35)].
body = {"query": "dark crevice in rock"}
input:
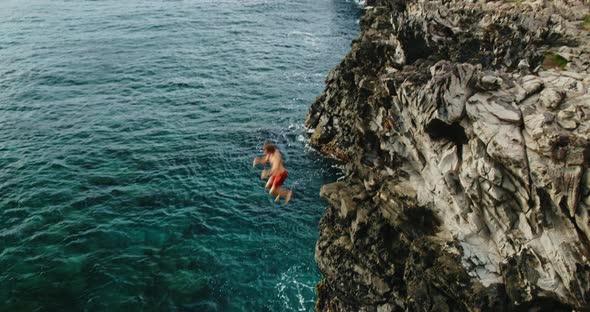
[(421, 221), (559, 148), (547, 207), (544, 305)]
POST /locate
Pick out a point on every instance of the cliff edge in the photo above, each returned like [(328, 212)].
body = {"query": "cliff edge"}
[(464, 127)]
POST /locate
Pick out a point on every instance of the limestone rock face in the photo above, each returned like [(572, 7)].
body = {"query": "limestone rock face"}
[(467, 151)]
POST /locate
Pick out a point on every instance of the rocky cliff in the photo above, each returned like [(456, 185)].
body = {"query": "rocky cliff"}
[(464, 127)]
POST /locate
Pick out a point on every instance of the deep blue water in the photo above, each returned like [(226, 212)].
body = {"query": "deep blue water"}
[(127, 132)]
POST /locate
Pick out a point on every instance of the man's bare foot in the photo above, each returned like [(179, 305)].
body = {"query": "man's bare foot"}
[(278, 197), (288, 197)]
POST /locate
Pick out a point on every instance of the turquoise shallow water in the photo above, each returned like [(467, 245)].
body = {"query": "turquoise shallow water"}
[(127, 131)]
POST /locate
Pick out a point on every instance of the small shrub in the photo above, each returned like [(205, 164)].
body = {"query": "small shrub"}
[(554, 60)]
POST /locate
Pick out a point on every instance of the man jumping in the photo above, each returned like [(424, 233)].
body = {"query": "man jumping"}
[(277, 172)]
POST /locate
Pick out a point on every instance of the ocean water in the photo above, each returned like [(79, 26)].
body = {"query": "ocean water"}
[(127, 132)]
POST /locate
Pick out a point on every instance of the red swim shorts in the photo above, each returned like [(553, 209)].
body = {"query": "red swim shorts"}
[(279, 179)]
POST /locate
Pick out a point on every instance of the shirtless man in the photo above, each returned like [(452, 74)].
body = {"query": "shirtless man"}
[(277, 172)]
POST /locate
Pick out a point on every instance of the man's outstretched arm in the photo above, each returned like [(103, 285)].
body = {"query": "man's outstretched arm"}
[(260, 161)]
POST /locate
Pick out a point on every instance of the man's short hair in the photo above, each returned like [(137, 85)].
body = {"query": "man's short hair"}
[(269, 148)]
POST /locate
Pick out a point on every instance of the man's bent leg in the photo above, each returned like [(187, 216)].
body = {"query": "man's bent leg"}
[(273, 191), (270, 182)]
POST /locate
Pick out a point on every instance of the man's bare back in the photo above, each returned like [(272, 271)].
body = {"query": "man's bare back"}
[(276, 162), (277, 172)]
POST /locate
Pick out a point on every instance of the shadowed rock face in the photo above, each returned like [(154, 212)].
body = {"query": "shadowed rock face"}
[(467, 154)]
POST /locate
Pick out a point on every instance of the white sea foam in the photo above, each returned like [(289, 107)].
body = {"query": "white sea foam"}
[(289, 284), (307, 38), (360, 3)]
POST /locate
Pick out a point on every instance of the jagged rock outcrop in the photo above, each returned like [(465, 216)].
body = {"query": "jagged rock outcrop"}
[(465, 130)]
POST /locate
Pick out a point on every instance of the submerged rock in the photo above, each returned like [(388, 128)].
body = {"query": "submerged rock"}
[(468, 177)]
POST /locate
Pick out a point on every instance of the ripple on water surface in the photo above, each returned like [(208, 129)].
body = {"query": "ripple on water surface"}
[(127, 133)]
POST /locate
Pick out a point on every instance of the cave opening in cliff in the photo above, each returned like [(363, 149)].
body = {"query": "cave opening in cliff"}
[(439, 130), (415, 47)]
